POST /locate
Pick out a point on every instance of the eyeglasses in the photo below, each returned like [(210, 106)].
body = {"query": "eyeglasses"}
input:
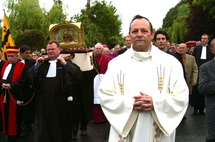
[(163, 38)]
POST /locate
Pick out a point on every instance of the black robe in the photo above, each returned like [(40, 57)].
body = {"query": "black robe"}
[(87, 94), (52, 105), (29, 110), (13, 126)]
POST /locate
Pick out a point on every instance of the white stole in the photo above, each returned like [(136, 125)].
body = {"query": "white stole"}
[(6, 72), (52, 69)]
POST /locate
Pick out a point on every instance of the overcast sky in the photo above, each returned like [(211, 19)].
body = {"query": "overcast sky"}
[(154, 10)]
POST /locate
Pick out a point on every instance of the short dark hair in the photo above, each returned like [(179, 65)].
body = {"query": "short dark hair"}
[(205, 34), (54, 41), (141, 17), (161, 32), (23, 48), (126, 37)]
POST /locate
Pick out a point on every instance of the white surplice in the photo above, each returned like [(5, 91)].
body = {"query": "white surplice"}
[(96, 82), (155, 73)]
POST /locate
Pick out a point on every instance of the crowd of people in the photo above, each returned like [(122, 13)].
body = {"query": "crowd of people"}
[(142, 89)]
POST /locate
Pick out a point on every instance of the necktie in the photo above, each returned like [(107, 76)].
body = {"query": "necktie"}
[(52, 69), (184, 59)]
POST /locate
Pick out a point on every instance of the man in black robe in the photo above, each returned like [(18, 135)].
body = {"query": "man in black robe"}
[(53, 79), (13, 75)]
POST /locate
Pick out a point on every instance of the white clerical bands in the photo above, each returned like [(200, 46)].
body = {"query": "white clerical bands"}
[(52, 69)]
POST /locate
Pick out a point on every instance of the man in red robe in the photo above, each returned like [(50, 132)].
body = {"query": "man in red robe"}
[(102, 60), (12, 80)]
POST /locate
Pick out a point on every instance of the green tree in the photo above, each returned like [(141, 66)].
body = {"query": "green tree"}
[(174, 23), (199, 22), (207, 5), (179, 26), (101, 24), (25, 16), (32, 38)]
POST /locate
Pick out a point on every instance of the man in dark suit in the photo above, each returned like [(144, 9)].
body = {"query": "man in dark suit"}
[(207, 86), (161, 39), (29, 110), (127, 41), (24, 54), (202, 54)]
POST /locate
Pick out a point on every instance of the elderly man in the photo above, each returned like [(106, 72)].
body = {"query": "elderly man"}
[(53, 78), (190, 66), (142, 96), (13, 80), (102, 60)]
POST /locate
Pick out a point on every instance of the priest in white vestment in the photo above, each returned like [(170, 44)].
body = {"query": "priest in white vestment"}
[(143, 93)]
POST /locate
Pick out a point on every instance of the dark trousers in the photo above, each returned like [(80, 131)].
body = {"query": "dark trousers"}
[(12, 138), (198, 100), (210, 117)]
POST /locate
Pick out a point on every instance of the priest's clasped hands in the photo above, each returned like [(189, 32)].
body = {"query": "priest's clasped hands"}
[(143, 102)]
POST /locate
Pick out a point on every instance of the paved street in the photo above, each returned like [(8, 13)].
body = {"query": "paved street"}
[(193, 129)]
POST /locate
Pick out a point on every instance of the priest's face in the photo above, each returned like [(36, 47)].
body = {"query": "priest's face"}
[(53, 51), (12, 58), (141, 35)]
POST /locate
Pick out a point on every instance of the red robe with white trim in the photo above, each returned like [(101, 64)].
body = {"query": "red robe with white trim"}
[(10, 117)]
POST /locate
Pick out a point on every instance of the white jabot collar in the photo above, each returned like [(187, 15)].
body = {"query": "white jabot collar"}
[(6, 72), (52, 69)]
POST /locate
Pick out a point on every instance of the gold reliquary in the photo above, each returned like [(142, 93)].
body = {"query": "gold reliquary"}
[(69, 35)]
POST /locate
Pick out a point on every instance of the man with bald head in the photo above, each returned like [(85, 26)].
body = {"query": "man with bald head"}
[(190, 66)]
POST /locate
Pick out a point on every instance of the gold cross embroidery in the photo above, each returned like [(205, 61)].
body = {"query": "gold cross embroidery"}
[(121, 82), (160, 73)]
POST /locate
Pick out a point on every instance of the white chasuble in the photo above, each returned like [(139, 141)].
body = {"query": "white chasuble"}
[(154, 73)]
